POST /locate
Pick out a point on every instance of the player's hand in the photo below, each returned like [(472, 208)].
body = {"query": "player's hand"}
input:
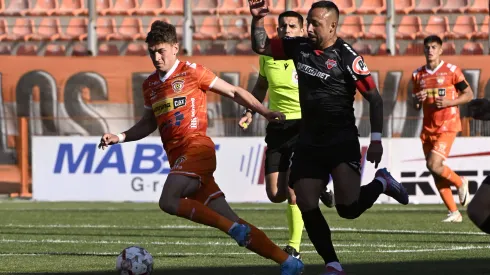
[(108, 139), (421, 96), (479, 108), (442, 102), (258, 8), (245, 121), (374, 153), (275, 116)]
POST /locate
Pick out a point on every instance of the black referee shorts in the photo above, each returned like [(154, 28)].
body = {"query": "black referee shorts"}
[(281, 139), (310, 162)]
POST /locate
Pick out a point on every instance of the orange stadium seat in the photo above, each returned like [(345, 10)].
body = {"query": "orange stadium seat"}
[(362, 48), (428, 6), (234, 7), (44, 7), (72, 7), (415, 48), (455, 6), (108, 49), (131, 28), (5, 49), (49, 29), (151, 7), (270, 25), (464, 27), (409, 27), (372, 7), (124, 7), (2, 6), (280, 6), (448, 48), (437, 25), (472, 48), (404, 6), (479, 6), (377, 29), (204, 6), (76, 30), (383, 49), (4, 30), (105, 28), (79, 49), (136, 49), (483, 33), (103, 6), (352, 27), (23, 30), (305, 7), (27, 49), (244, 48), (175, 7), (346, 6), (211, 28), (17, 7), (55, 50), (237, 28)]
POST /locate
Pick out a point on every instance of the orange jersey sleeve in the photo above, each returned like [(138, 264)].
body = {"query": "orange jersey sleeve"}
[(206, 78), (439, 83)]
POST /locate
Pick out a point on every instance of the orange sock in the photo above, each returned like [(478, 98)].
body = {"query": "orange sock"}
[(446, 194), (263, 246), (452, 177), (198, 212)]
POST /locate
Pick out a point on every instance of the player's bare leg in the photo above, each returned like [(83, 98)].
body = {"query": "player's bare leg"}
[(258, 241), (479, 207), (444, 177)]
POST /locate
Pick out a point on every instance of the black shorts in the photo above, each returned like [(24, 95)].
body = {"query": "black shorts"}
[(317, 162), (280, 139)]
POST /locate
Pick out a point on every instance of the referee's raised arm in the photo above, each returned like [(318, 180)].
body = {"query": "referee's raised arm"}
[(260, 40)]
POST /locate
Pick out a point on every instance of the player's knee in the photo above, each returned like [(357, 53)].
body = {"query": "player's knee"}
[(274, 198), (168, 206), (348, 211), (434, 166)]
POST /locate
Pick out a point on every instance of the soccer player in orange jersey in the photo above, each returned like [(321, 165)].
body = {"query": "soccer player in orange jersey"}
[(175, 102), (439, 88)]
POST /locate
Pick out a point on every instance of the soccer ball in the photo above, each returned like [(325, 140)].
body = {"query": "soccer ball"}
[(134, 260)]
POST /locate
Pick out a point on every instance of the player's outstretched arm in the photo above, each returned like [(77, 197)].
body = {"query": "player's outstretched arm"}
[(143, 128), (260, 40), (259, 91), (244, 98)]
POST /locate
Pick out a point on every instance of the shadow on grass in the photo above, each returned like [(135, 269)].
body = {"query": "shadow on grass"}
[(453, 267)]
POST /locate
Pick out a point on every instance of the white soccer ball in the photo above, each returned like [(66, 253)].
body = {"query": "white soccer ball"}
[(134, 260)]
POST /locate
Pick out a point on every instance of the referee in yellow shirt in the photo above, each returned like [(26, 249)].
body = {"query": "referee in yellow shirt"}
[(280, 79)]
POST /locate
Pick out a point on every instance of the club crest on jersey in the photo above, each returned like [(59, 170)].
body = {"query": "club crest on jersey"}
[(178, 85), (178, 163), (331, 63), (440, 80), (359, 67)]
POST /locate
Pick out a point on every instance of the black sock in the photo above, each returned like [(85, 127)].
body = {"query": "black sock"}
[(369, 194), (319, 234)]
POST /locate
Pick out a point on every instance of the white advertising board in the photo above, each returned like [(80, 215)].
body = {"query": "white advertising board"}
[(73, 169)]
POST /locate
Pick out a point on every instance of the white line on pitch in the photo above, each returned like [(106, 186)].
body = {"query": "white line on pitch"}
[(278, 228)]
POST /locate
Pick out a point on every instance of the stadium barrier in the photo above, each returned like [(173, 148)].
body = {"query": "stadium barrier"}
[(72, 169)]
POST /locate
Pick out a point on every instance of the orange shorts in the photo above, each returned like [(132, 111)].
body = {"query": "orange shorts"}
[(197, 158), (438, 143)]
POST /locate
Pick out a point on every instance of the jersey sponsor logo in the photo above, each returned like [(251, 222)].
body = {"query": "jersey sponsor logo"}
[(441, 92), (360, 67), (164, 106), (194, 119), (153, 83), (305, 55), (178, 85), (435, 92), (351, 73), (312, 71), (331, 63), (153, 94)]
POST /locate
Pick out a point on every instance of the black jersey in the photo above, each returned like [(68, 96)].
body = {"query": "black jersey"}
[(327, 85)]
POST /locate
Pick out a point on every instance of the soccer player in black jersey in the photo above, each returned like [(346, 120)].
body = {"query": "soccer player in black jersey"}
[(479, 207), (329, 72)]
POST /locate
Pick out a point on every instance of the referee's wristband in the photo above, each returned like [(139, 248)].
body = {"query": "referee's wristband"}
[(121, 137), (248, 111), (375, 137)]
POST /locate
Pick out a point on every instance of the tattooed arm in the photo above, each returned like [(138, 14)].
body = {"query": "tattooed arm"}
[(260, 40)]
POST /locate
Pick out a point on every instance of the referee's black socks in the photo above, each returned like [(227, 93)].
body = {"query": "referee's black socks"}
[(369, 194), (319, 234)]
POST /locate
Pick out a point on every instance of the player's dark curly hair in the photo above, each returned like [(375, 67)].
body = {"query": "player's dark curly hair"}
[(161, 32), (431, 39), (329, 5)]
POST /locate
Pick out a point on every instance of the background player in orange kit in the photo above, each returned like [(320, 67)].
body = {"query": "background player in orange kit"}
[(175, 101), (435, 90)]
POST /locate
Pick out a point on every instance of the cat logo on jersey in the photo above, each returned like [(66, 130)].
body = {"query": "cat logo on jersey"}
[(359, 67), (178, 85)]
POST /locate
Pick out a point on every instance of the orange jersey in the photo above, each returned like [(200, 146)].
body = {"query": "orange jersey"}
[(439, 83), (178, 101)]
